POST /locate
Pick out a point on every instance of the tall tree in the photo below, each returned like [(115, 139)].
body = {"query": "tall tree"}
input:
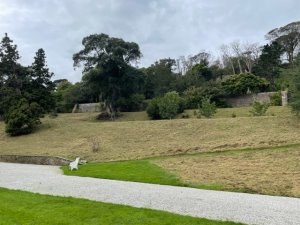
[(107, 64), (41, 85), (250, 54), (268, 64), (159, 77), (227, 57), (11, 75), (288, 37)]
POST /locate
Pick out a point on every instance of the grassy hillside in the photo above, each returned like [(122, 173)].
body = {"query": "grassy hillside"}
[(71, 135)]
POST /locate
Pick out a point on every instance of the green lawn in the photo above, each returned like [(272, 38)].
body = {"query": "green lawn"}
[(139, 171), (23, 208), (271, 171)]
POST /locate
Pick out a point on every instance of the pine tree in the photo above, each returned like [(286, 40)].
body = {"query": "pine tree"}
[(25, 92), (10, 74), (41, 84)]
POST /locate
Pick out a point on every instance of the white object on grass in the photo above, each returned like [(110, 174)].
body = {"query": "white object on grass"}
[(74, 164)]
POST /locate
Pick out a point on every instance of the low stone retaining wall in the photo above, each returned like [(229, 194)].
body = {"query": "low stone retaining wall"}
[(40, 160), (247, 100), (87, 107)]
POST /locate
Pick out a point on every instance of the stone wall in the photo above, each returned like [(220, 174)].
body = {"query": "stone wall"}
[(87, 107), (247, 100), (40, 160)]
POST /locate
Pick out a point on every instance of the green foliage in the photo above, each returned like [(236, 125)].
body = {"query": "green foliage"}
[(22, 118), (25, 92), (193, 96), (207, 109), (153, 109), (269, 62), (159, 78), (166, 107), (133, 103), (40, 87), (198, 74), (240, 84), (294, 91), (288, 37), (169, 105), (259, 109), (107, 68), (276, 99)]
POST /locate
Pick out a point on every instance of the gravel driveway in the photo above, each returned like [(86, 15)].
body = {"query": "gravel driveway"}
[(239, 207)]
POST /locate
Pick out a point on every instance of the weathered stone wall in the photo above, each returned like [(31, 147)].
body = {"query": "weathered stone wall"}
[(247, 100), (40, 160), (87, 107)]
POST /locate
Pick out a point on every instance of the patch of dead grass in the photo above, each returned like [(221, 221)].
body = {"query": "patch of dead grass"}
[(273, 172)]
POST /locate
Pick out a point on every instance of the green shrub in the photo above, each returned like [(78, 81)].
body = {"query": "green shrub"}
[(169, 105), (241, 84), (233, 115), (22, 118), (193, 96), (153, 109), (276, 99), (259, 109), (207, 109)]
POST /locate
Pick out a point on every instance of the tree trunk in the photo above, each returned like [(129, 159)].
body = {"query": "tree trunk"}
[(232, 66), (240, 66)]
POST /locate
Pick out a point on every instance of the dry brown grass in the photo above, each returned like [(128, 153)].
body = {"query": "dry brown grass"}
[(68, 135), (273, 172)]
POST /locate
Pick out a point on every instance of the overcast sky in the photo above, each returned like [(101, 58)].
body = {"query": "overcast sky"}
[(162, 28)]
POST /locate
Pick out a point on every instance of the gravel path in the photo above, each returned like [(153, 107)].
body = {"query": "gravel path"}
[(240, 207)]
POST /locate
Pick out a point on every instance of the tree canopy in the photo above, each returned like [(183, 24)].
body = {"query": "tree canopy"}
[(288, 37), (107, 68)]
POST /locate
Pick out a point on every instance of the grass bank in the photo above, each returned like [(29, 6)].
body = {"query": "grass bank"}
[(18, 207), (71, 135)]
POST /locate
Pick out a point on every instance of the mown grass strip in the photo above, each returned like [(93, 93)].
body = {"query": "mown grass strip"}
[(18, 207), (138, 171)]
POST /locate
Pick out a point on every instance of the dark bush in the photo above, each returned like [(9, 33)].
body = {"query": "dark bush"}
[(153, 109), (22, 118), (103, 116), (134, 103)]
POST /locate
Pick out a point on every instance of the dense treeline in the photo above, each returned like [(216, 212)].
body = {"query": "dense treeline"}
[(110, 77), (241, 68)]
